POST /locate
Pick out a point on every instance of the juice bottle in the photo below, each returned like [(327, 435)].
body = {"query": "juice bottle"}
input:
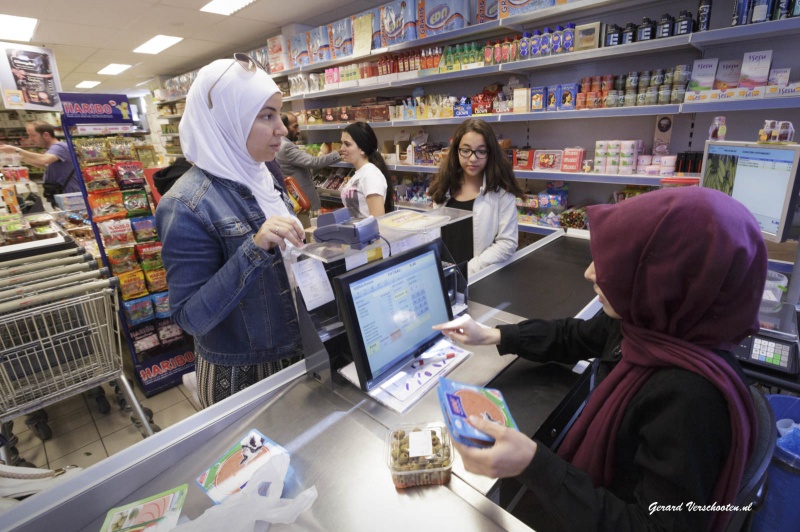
[(504, 50), (488, 54), (513, 52), (498, 53)]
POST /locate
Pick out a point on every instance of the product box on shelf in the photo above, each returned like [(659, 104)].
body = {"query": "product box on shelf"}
[(522, 100), (360, 114), (330, 115), (313, 117), (553, 97), (298, 50), (378, 113), (728, 73), (319, 48), (567, 94), (538, 98), (435, 17), (703, 74), (486, 11), (462, 109), (340, 37), (523, 159), (481, 107), (501, 106), (72, 201), (510, 8), (376, 24), (547, 160), (755, 69), (572, 160), (779, 76), (398, 22)]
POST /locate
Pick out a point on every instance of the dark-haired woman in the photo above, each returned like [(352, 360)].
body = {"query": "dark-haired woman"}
[(477, 176), (368, 192)]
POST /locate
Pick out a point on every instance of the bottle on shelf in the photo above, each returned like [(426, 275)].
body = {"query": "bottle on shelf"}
[(524, 45), (684, 23), (613, 35), (568, 39), (781, 10), (504, 50), (704, 15), (488, 54), (544, 43), (535, 44), (556, 44), (498, 53), (646, 30), (665, 26), (474, 54), (628, 35), (717, 130), (513, 51)]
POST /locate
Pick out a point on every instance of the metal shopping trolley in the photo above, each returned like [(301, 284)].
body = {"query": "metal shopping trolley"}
[(58, 337)]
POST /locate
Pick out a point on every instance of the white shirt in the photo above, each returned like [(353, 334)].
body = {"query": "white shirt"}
[(367, 180)]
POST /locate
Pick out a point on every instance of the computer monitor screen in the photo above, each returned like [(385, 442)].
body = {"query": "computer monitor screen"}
[(388, 308), (763, 177)]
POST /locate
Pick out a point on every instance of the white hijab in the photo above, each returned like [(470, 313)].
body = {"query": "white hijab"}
[(216, 139)]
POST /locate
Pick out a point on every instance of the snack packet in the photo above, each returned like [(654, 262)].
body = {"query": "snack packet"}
[(145, 339), (99, 178), (121, 149), (106, 206), (129, 174), (149, 255), (132, 285), (116, 233), (161, 304), (144, 228), (91, 151), (138, 311), (122, 260), (156, 279), (135, 202)]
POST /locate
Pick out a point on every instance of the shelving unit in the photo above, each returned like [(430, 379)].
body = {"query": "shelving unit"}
[(171, 116)]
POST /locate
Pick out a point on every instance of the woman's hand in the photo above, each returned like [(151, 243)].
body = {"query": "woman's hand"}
[(277, 230), (511, 453), (465, 330)]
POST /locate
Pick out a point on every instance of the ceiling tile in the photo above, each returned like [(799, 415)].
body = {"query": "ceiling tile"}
[(235, 31), (101, 13), (193, 48), (168, 20), (28, 8), (52, 32), (72, 53)]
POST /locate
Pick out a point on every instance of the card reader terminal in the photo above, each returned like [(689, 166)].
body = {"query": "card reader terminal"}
[(338, 228), (775, 345)]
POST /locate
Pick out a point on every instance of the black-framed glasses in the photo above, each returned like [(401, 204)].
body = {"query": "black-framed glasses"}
[(243, 60), (466, 153)]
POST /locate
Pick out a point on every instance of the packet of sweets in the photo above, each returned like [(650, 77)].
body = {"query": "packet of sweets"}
[(129, 174), (116, 233), (156, 279), (138, 311), (149, 255), (161, 304), (99, 178), (135, 202), (121, 149), (144, 228), (91, 151), (122, 260), (106, 206), (132, 285)]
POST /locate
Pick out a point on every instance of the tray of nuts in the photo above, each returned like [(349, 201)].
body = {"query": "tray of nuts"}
[(419, 455)]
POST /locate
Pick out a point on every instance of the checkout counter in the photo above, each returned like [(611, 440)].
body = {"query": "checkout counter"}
[(335, 433)]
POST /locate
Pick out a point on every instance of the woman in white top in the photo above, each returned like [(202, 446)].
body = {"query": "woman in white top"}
[(368, 192), (477, 176)]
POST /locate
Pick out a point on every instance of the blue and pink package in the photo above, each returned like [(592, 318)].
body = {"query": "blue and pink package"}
[(160, 304), (319, 48), (486, 11), (509, 8), (435, 17), (376, 24), (138, 311), (298, 50), (398, 22), (340, 37)]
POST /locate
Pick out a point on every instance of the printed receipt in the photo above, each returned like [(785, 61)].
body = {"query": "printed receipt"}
[(313, 282)]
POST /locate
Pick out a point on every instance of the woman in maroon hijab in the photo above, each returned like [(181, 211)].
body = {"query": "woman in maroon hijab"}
[(680, 274)]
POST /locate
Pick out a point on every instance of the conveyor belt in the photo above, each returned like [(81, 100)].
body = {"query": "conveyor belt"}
[(547, 283)]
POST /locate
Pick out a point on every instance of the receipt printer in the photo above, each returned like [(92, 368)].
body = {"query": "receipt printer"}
[(337, 227)]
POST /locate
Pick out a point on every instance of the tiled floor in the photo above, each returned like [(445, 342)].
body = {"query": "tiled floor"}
[(82, 436)]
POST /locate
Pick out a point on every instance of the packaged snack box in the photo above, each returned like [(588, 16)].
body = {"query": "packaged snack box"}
[(435, 17), (398, 22)]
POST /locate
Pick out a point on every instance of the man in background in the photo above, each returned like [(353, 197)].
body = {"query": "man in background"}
[(59, 173), (297, 163)]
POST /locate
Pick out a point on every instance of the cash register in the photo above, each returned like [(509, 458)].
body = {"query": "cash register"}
[(764, 178)]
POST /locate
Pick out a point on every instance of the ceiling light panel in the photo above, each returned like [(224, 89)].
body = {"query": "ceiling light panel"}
[(113, 69), (17, 28), (87, 84), (158, 44), (225, 7)]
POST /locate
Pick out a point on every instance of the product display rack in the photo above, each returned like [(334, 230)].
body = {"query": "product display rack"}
[(559, 129), (164, 368), (170, 150)]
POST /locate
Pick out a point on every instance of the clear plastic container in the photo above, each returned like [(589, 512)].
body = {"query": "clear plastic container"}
[(415, 459), (773, 291)]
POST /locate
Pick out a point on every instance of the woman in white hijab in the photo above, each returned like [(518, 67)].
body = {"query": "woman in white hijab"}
[(220, 225)]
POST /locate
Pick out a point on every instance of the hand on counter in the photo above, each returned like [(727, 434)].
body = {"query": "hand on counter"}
[(467, 331), (511, 453)]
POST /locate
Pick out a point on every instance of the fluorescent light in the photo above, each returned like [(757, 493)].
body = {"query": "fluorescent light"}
[(157, 44), (17, 28), (113, 69), (142, 83), (87, 84), (225, 7)]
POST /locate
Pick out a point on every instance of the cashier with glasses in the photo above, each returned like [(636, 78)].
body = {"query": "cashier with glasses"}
[(476, 176), (223, 226)]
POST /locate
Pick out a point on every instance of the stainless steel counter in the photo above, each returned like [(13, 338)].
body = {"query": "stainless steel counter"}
[(336, 441)]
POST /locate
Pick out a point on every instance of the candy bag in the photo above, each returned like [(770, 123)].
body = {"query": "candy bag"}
[(122, 260), (116, 233), (161, 304), (156, 279), (144, 228), (121, 149), (135, 202), (99, 178), (132, 285), (145, 339), (129, 174), (138, 310), (106, 206), (150, 255), (91, 151)]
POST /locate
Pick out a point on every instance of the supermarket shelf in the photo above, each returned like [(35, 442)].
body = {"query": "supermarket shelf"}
[(173, 100), (538, 229), (572, 10), (789, 102), (642, 110), (584, 177), (458, 74), (170, 135), (627, 50), (425, 169), (170, 117), (749, 32)]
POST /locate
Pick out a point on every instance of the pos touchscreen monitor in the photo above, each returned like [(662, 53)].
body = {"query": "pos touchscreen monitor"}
[(388, 308), (763, 177)]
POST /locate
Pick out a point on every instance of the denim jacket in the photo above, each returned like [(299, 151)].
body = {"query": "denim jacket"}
[(231, 295)]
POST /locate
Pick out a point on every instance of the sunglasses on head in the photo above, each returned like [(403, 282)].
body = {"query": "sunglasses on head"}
[(243, 60)]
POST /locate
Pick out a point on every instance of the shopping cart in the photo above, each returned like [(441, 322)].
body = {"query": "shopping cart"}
[(59, 336)]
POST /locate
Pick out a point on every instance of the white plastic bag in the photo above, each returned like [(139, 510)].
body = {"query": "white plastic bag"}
[(259, 502)]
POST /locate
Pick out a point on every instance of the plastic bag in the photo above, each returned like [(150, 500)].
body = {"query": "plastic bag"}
[(790, 442), (259, 502)]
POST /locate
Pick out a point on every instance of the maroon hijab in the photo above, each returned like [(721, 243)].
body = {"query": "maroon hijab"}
[(685, 270)]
